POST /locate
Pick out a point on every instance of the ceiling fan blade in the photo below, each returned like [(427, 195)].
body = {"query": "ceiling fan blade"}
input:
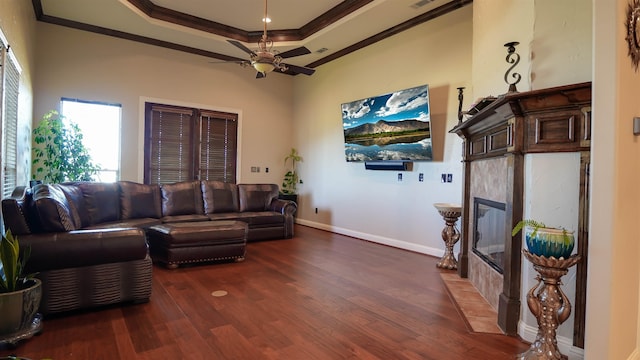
[(239, 62), (295, 52), (295, 69), (241, 47)]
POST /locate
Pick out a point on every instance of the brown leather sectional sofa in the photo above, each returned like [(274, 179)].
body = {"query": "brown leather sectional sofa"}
[(88, 240)]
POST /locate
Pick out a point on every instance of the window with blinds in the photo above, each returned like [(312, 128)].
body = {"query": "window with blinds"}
[(189, 144), (218, 145), (10, 85)]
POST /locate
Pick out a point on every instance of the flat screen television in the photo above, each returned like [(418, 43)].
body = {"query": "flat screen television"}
[(394, 126)]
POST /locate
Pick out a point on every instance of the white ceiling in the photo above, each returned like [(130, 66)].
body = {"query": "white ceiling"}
[(373, 18)]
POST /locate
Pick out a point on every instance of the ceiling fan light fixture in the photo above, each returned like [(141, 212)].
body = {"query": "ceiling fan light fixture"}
[(263, 67), (266, 60)]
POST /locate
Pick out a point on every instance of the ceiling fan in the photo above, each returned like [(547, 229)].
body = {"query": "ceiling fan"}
[(266, 60)]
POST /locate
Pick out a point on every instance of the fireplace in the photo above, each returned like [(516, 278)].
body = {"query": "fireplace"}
[(496, 141), (489, 232)]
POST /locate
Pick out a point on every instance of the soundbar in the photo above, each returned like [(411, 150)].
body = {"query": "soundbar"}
[(395, 165)]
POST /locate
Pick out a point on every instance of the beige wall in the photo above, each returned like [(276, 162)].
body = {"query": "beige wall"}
[(373, 204), (87, 66), (18, 24)]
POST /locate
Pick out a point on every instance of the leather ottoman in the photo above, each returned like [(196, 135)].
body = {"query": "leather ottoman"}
[(194, 242)]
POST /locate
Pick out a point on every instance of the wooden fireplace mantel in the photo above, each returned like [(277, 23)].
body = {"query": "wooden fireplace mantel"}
[(514, 124), (546, 120)]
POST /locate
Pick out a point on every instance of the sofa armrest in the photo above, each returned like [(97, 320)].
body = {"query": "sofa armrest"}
[(287, 208), (284, 207), (79, 248), (15, 211)]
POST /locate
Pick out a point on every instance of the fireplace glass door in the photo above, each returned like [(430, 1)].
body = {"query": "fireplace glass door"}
[(489, 234)]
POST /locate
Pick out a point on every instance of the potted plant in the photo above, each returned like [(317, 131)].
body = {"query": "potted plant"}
[(58, 152), (20, 293), (289, 189), (545, 241)]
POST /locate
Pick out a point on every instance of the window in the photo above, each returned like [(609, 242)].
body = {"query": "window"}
[(100, 127), (9, 87), (189, 144)]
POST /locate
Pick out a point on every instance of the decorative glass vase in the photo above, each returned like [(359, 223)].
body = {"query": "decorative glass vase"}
[(550, 242)]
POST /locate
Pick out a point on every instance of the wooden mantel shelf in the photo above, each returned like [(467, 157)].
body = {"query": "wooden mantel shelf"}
[(545, 120)]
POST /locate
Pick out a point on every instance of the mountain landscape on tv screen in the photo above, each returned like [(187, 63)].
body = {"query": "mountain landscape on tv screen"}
[(394, 126)]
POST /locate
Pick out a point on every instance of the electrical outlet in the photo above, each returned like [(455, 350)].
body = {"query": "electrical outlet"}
[(316, 210), (421, 177), (449, 178), (266, 169), (443, 178), (399, 176)]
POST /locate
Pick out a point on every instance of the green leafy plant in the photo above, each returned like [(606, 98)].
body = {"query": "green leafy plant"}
[(58, 152), (291, 179), (12, 277), (535, 226)]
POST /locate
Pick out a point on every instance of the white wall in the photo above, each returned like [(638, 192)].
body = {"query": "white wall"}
[(370, 204), (552, 194), (77, 64)]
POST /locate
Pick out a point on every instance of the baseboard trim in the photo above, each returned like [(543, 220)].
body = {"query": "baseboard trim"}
[(427, 250)]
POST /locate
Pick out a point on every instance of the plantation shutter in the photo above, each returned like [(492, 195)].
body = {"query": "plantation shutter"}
[(218, 146), (169, 150), (189, 144), (10, 86)]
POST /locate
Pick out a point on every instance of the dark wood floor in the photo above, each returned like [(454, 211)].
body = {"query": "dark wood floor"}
[(317, 296)]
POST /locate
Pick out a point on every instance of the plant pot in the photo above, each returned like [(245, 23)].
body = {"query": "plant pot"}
[(550, 242), (18, 310)]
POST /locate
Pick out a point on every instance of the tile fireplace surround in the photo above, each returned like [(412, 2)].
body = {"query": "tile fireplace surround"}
[(489, 182), (495, 141)]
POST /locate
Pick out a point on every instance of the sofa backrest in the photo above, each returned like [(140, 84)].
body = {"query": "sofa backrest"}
[(52, 209), (101, 201), (140, 200), (219, 197), (75, 198), (256, 197), (76, 205), (182, 198)]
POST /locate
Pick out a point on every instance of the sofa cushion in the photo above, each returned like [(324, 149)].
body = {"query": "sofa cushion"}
[(256, 197), (52, 209), (219, 197), (139, 201), (182, 198), (75, 197), (77, 248), (101, 200)]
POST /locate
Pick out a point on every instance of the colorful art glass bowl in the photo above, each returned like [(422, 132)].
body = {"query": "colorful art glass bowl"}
[(550, 242)]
